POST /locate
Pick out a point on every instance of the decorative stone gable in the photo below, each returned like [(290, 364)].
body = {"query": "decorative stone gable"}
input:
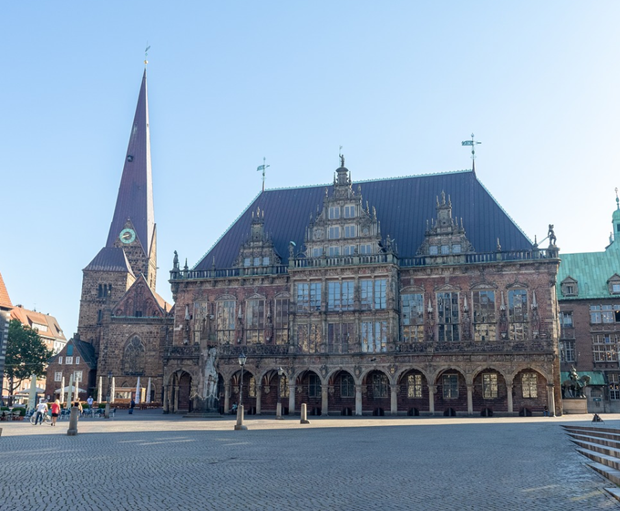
[(343, 227), (139, 302), (445, 240), (258, 251)]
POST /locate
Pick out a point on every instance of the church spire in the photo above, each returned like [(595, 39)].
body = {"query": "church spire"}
[(134, 204)]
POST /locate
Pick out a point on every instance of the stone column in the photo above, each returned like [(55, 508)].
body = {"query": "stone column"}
[(324, 400), (165, 403), (550, 399), (509, 396), (226, 397), (259, 395), (470, 399), (291, 399), (431, 399), (394, 399), (175, 406), (358, 400)]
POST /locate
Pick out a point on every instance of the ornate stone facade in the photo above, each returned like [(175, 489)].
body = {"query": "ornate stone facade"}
[(358, 330)]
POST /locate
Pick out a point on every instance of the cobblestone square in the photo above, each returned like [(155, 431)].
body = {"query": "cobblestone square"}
[(162, 462)]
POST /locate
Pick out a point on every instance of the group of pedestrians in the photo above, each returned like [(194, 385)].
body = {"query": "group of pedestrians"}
[(42, 410)]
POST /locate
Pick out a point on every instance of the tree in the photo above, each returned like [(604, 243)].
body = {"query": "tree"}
[(26, 354)]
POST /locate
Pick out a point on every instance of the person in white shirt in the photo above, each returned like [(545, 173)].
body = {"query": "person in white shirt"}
[(41, 409)]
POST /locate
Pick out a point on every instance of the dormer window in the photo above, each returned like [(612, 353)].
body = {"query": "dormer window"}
[(433, 250), (334, 212), (569, 287), (614, 285), (334, 232), (350, 231), (445, 249), (456, 249)]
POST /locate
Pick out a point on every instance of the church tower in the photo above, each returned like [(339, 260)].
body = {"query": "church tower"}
[(130, 252)]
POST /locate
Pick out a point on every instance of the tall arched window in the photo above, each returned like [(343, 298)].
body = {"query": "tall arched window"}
[(135, 357)]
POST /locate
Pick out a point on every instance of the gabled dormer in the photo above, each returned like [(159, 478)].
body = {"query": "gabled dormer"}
[(140, 301), (445, 240), (569, 287), (258, 250), (613, 284), (344, 226)]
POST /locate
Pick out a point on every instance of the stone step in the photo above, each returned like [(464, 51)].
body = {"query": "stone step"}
[(615, 444), (612, 434), (592, 428), (603, 459), (614, 492), (592, 446), (608, 473)]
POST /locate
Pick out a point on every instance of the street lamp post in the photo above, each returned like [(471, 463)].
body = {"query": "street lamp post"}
[(279, 407), (239, 426), (107, 401)]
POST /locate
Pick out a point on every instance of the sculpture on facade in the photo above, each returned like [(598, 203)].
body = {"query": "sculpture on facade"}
[(211, 380)]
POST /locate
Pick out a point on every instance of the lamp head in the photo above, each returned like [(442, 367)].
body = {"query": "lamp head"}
[(242, 359)]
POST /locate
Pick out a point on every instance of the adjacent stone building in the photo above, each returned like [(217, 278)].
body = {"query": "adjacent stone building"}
[(414, 295), (588, 289)]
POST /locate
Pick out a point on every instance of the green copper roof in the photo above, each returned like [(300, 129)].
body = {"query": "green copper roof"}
[(591, 270), (596, 377)]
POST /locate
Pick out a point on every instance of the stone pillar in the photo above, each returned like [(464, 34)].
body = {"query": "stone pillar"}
[(509, 396), (324, 400), (358, 400), (394, 399), (431, 399), (470, 399), (550, 399), (226, 397), (165, 403), (175, 405), (291, 399), (73, 421), (259, 394)]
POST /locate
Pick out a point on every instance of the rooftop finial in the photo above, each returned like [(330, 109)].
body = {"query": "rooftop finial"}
[(146, 54), (263, 167), (473, 144), (341, 156), (617, 200)]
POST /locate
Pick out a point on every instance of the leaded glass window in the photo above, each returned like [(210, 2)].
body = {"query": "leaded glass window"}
[(314, 386), (450, 386), (489, 386), (529, 385), (309, 338), (485, 325), (374, 336), (412, 317), (448, 316), (225, 324), (517, 314), (255, 321), (347, 386), (414, 386), (281, 321), (338, 337), (340, 295), (134, 359), (380, 386)]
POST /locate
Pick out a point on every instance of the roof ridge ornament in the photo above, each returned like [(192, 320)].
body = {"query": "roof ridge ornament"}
[(472, 143)]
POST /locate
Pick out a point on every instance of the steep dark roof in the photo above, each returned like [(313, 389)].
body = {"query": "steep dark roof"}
[(135, 193), (109, 259), (403, 206)]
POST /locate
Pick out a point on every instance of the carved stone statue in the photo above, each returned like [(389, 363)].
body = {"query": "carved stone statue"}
[(551, 234), (211, 380)]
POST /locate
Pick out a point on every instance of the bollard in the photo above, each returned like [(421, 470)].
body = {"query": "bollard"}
[(73, 421), (279, 412), (304, 414), (239, 426)]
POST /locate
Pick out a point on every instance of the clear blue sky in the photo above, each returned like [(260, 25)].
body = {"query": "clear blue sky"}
[(399, 84)]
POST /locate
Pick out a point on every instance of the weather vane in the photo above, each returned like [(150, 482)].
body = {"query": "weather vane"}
[(146, 54), (263, 167), (473, 144)]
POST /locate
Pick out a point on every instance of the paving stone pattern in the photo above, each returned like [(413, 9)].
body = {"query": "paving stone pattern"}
[(154, 462)]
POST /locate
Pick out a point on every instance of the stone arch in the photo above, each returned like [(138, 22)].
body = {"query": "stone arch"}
[(134, 356), (412, 391), (489, 391), (180, 391), (245, 393), (451, 395), (376, 392), (341, 388), (529, 391), (308, 388)]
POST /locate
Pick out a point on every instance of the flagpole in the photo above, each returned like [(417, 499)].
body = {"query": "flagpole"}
[(264, 173)]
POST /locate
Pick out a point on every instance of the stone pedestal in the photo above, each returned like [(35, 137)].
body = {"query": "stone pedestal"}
[(575, 405)]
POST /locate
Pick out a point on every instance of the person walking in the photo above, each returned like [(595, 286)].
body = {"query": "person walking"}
[(132, 405), (55, 406), (41, 409)]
